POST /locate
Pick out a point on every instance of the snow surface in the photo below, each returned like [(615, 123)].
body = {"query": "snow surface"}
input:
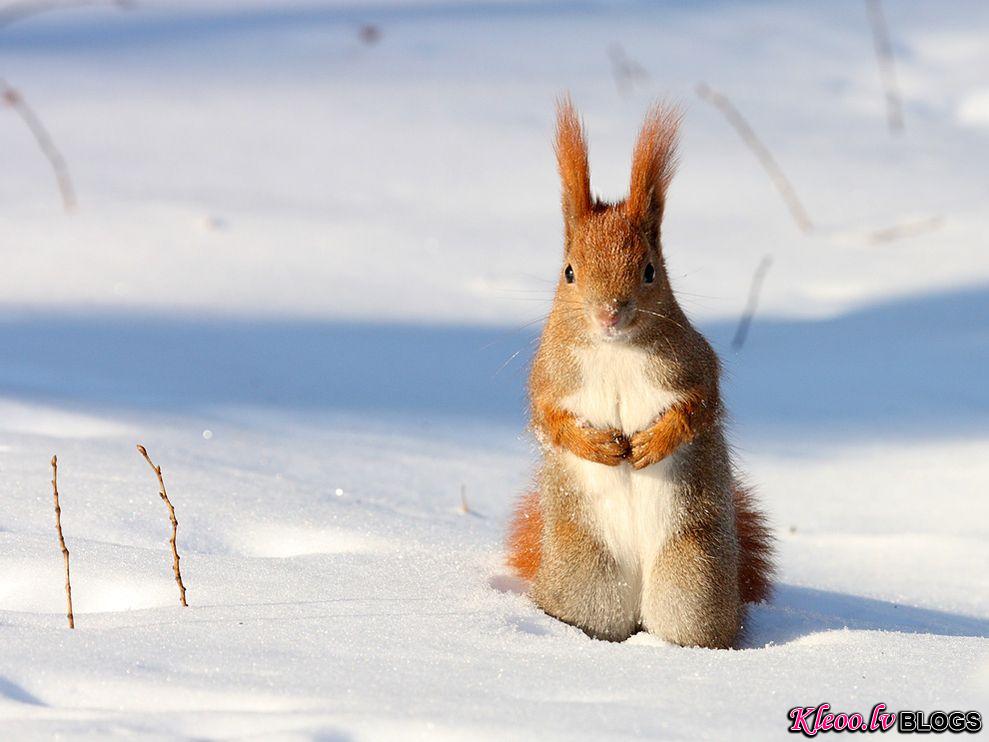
[(299, 273)]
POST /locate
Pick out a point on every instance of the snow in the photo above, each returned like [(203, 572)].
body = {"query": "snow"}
[(299, 273)]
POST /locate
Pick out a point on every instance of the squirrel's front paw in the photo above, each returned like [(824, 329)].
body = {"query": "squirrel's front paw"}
[(648, 448), (604, 446)]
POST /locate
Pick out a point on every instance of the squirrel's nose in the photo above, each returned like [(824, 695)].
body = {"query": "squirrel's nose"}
[(611, 315), (608, 316)]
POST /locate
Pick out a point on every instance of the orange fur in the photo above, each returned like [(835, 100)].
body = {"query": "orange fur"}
[(525, 535), (676, 427), (608, 447), (571, 158), (653, 164), (755, 542)]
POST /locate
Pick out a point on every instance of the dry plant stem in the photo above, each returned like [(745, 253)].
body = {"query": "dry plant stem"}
[(463, 500), (887, 71), (171, 514), (750, 306), (762, 153), (18, 11), (625, 70), (15, 100), (906, 229), (61, 543)]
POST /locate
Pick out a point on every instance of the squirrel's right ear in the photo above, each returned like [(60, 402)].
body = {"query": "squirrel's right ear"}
[(571, 158), (653, 163)]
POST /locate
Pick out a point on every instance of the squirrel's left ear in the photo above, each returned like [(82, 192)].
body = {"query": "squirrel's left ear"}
[(571, 157), (653, 165)]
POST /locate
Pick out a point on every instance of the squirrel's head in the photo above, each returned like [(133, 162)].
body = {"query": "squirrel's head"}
[(613, 282)]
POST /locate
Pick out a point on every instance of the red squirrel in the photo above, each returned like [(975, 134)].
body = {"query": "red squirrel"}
[(638, 520)]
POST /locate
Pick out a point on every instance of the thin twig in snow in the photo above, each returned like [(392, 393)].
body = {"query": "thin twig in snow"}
[(753, 302), (171, 514), (61, 543), (464, 509), (762, 153), (887, 70), (12, 97)]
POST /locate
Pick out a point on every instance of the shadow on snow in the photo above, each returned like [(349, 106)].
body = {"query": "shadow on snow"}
[(910, 367), (796, 612)]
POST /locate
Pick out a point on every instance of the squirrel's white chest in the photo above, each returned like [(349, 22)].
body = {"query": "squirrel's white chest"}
[(618, 388), (631, 511)]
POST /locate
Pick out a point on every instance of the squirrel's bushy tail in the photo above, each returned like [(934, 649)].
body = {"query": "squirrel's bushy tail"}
[(755, 565), (755, 542), (525, 536)]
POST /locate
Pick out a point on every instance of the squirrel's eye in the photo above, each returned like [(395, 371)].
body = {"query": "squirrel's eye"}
[(650, 275), (568, 274)]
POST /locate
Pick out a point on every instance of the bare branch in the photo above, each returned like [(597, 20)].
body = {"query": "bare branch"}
[(762, 153), (750, 306), (61, 543), (171, 514), (887, 70), (19, 11), (625, 70), (906, 229), (12, 97)]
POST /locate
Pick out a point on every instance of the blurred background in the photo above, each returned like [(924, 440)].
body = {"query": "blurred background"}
[(302, 250), (275, 172), (325, 159)]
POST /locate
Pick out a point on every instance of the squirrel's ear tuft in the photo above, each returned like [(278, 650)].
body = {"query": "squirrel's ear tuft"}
[(571, 157), (653, 164)]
